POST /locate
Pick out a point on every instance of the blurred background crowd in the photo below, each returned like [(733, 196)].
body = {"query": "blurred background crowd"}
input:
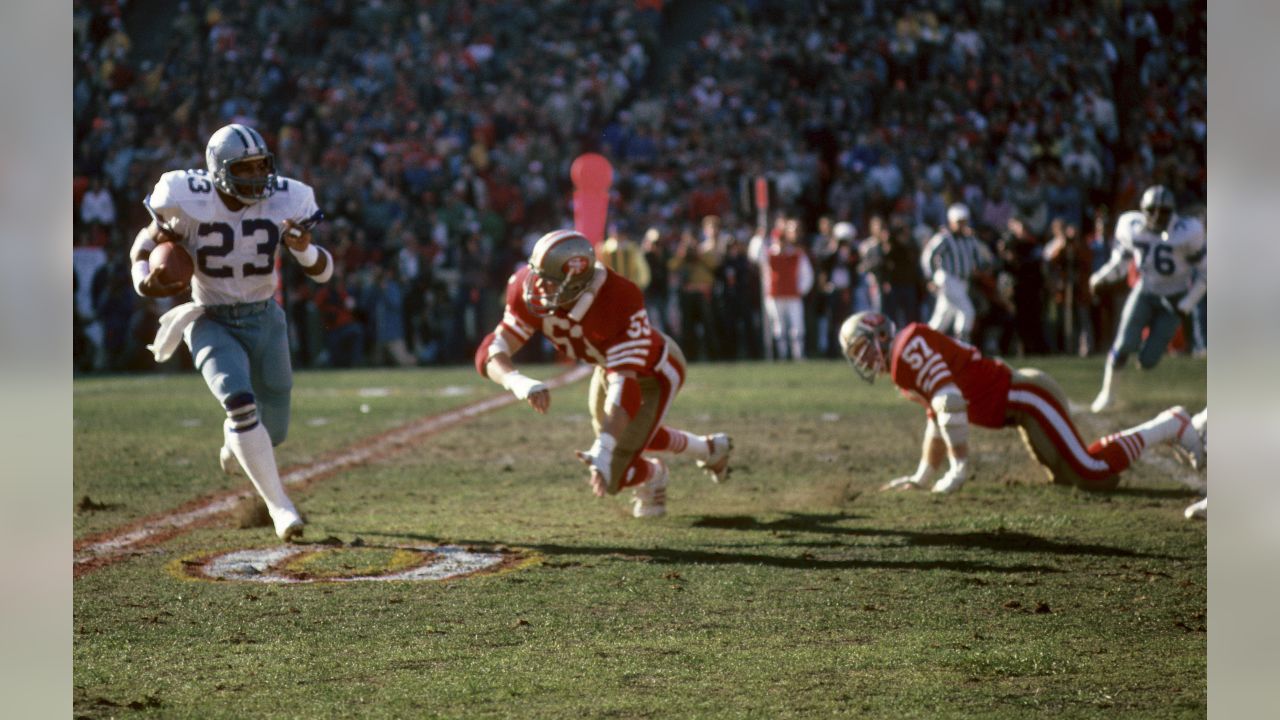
[(438, 136)]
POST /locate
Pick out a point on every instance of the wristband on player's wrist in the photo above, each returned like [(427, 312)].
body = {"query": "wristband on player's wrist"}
[(139, 272), (307, 257)]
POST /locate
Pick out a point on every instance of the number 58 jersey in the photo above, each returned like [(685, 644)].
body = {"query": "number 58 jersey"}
[(234, 251), (1164, 260)]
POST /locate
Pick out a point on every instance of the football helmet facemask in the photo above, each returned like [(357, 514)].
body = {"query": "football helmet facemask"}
[(865, 339), (239, 163), (1157, 207), (561, 268)]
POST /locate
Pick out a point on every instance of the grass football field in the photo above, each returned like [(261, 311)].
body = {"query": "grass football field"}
[(796, 589)]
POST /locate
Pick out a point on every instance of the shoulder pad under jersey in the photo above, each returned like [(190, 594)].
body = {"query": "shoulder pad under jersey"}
[(1186, 231), (1129, 226), (181, 198), (295, 200)]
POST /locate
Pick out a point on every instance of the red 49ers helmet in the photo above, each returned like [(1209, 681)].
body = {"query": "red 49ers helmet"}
[(865, 338), (560, 270)]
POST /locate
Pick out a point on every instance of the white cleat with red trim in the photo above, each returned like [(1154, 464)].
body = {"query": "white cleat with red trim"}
[(1187, 442), (650, 497), (717, 464)]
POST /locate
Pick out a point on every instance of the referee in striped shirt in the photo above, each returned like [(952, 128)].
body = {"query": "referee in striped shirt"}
[(949, 259)]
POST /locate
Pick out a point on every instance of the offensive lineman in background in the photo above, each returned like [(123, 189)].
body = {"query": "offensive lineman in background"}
[(230, 218), (595, 315), (1168, 248), (958, 386), (949, 260)]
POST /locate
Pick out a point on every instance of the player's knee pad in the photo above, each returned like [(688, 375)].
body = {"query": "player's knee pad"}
[(953, 416), (242, 412)]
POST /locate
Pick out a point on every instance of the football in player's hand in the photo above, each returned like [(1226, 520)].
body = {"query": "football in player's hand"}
[(173, 261)]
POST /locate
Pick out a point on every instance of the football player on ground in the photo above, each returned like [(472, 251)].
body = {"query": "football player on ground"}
[(595, 315), (958, 387), (230, 218), (1172, 261)]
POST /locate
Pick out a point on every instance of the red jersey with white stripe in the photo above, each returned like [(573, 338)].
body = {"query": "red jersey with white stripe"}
[(923, 360), (608, 326)]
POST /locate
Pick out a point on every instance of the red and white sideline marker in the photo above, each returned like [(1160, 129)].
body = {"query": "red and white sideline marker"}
[(114, 545)]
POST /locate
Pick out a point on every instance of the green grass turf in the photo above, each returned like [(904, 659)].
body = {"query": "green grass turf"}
[(794, 590)]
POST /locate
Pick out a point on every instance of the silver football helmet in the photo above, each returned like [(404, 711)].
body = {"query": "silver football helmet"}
[(240, 164), (1157, 207), (560, 270), (865, 339)]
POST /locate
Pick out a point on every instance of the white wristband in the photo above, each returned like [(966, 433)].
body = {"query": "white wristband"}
[(604, 441), (520, 386), (140, 270), (307, 257)]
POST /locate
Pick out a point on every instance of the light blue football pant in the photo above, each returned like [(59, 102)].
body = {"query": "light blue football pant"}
[(1143, 310), (245, 349)]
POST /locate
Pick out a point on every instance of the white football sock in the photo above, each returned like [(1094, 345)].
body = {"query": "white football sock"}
[(1162, 428), (1104, 395), (253, 449), (695, 445)]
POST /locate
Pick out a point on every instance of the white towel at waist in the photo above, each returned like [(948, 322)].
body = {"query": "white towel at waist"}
[(172, 325)]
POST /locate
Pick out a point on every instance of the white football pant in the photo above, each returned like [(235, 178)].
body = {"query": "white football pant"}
[(786, 320), (953, 312)]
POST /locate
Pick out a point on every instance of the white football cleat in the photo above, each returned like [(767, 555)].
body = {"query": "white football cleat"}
[(903, 483), (1187, 442), (1197, 511), (227, 459), (650, 498), (949, 483), (289, 524), (717, 465)]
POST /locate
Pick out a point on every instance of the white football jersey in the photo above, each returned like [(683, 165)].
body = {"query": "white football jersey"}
[(1165, 260), (234, 251)]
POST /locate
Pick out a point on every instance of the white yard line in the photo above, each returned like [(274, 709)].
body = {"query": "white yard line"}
[(121, 542)]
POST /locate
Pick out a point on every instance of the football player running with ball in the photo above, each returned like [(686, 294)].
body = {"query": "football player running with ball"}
[(597, 316), (1171, 258), (958, 387), (230, 218)]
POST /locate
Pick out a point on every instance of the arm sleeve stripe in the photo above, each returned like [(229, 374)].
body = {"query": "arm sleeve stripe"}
[(626, 353), (630, 344), (927, 368), (932, 377), (513, 330), (624, 356), (940, 378), (639, 361), (516, 325)]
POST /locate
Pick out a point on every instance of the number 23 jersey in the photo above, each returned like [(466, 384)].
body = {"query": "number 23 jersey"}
[(233, 251), (608, 326)]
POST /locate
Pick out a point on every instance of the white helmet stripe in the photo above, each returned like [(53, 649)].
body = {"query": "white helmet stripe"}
[(546, 243), (239, 131)]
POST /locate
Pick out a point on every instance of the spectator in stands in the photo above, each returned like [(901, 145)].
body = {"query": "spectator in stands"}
[(694, 264), (343, 334)]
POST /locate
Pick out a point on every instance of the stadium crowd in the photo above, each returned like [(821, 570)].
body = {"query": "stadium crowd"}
[(438, 136)]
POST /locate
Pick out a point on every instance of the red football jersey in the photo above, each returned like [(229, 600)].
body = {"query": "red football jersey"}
[(923, 360), (608, 326)]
